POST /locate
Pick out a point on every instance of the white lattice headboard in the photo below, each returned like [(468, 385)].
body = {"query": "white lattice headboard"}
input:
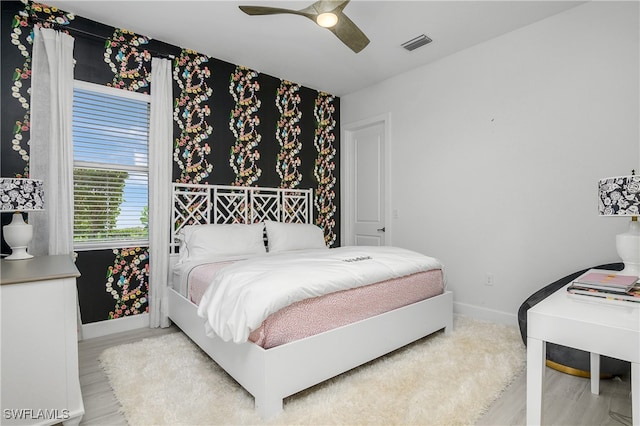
[(205, 204)]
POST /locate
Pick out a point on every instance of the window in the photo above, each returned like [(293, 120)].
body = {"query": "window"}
[(111, 172)]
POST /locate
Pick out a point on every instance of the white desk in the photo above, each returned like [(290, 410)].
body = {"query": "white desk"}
[(592, 325), (39, 384)]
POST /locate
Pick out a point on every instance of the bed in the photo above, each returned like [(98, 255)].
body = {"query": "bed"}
[(272, 371)]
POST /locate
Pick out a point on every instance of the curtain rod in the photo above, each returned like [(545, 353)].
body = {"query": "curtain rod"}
[(35, 20)]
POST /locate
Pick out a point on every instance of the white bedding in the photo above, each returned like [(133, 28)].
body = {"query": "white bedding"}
[(182, 269), (244, 294)]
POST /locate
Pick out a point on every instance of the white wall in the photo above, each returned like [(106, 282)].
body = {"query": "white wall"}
[(497, 150)]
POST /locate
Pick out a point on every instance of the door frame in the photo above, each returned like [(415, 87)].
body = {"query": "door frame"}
[(348, 177)]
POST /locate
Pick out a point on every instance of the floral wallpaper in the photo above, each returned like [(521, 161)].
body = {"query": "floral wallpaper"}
[(21, 36), (244, 122), (128, 282), (191, 112), (288, 135), (128, 60), (232, 125), (325, 166)]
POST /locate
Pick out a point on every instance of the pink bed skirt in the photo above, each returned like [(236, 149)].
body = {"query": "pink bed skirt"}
[(316, 315)]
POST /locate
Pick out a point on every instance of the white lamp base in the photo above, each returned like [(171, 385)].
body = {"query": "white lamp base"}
[(628, 246), (18, 235)]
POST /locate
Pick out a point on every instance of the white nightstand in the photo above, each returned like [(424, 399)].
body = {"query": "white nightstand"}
[(589, 324), (39, 356)]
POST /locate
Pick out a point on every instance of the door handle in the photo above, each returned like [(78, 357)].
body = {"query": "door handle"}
[(383, 229)]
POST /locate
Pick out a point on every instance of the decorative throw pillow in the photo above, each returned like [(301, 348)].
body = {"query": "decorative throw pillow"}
[(222, 240), (293, 236)]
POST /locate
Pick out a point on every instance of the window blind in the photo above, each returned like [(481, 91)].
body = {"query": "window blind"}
[(110, 142)]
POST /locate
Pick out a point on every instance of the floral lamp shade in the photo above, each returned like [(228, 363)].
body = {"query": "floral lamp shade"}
[(20, 195), (620, 196)]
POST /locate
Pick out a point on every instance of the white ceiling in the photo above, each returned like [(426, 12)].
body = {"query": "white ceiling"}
[(294, 48)]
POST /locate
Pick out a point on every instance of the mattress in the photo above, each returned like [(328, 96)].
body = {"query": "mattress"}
[(319, 314)]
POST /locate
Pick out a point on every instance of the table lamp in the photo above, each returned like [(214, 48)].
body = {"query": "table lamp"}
[(620, 196), (19, 195)]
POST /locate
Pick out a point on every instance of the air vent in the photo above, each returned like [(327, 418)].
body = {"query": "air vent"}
[(414, 43)]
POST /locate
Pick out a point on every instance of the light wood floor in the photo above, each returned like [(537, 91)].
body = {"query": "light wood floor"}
[(567, 399), (100, 406)]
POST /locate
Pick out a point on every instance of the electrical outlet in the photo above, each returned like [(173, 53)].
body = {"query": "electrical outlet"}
[(489, 279)]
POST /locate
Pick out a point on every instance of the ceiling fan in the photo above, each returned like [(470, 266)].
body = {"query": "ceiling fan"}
[(326, 13)]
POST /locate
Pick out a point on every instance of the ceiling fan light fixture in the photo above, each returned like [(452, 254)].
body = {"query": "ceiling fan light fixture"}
[(327, 19), (332, 18)]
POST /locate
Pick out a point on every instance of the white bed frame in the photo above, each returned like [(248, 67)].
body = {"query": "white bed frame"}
[(272, 374)]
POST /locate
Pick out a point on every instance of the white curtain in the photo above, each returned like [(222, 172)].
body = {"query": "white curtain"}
[(160, 158), (51, 144), (51, 152)]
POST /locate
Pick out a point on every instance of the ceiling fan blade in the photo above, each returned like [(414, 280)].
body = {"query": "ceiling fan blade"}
[(265, 10), (349, 33)]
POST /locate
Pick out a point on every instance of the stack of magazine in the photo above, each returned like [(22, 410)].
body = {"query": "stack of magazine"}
[(607, 285)]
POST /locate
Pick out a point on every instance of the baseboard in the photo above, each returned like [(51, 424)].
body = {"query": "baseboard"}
[(485, 314), (104, 328)]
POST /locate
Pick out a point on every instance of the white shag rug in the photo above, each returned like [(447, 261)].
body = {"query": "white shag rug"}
[(438, 380)]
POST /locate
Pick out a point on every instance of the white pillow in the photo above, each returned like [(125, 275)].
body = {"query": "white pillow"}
[(293, 236), (222, 240)]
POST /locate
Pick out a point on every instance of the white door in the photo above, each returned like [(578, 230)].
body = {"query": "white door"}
[(366, 189)]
